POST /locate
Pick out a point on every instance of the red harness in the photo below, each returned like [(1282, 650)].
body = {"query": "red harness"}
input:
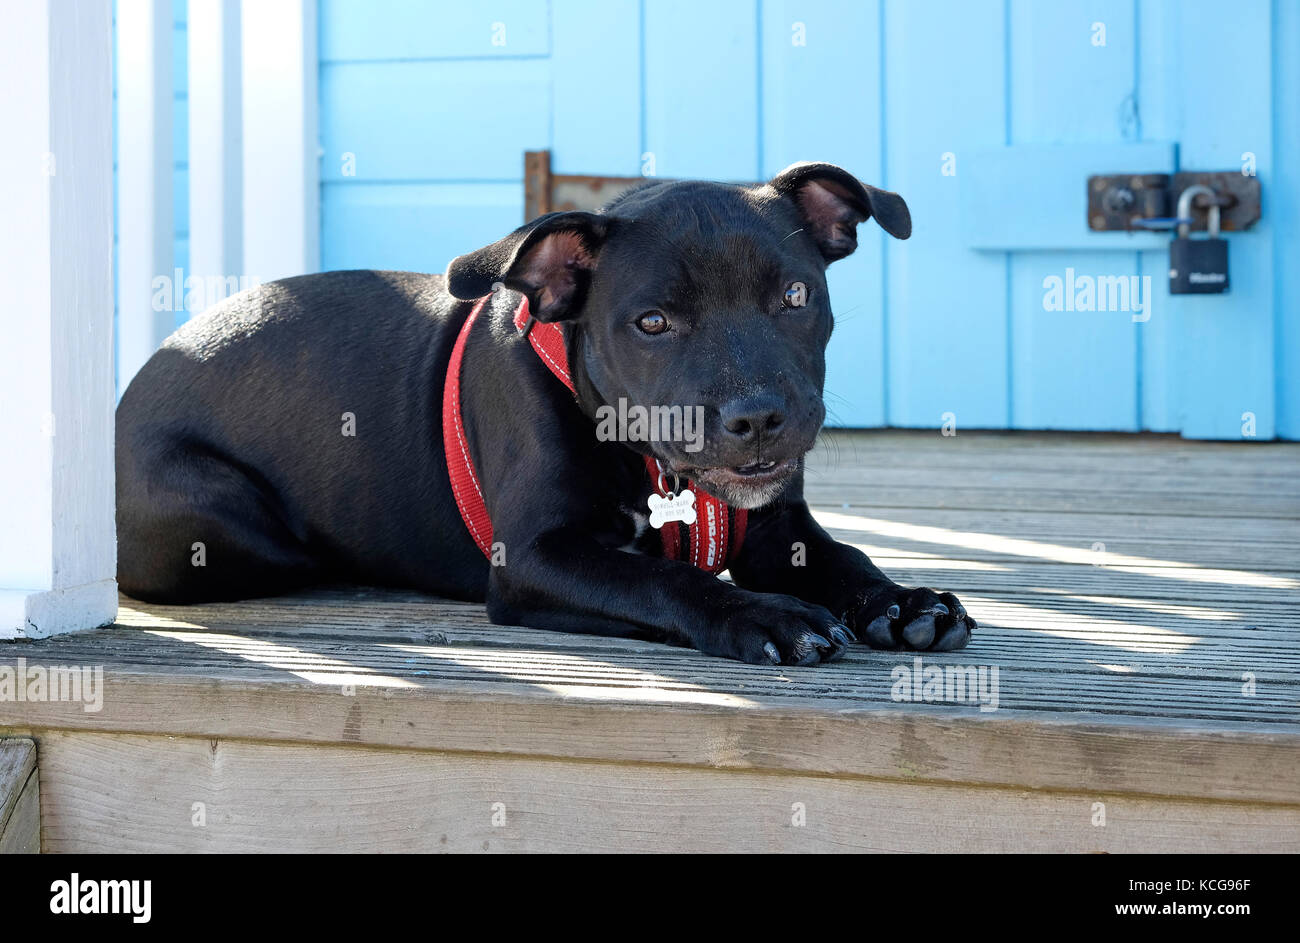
[(711, 543)]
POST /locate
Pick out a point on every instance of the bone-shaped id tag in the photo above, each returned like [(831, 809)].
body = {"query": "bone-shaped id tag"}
[(673, 507)]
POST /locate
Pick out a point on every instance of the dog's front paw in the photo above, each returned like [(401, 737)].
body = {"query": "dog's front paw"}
[(780, 630), (913, 619)]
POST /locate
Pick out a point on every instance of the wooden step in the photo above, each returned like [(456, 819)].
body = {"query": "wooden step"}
[(1153, 687)]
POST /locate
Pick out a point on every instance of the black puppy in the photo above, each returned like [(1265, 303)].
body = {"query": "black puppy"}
[(295, 433)]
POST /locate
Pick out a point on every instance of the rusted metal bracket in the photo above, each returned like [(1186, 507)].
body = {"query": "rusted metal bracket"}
[(537, 184), (545, 192), (1131, 202)]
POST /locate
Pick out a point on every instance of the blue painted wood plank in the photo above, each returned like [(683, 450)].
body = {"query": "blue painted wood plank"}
[(946, 305), (1006, 208), (428, 121), (181, 200), (1159, 105), (808, 48), (181, 132), (596, 69), (1072, 68), (701, 97), (413, 227), (180, 62), (1226, 355), (1172, 334), (1284, 206), (812, 49), (1074, 369), (181, 260), (420, 29), (1157, 339), (1071, 369)]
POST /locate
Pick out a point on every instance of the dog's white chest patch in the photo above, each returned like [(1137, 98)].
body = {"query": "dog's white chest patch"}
[(640, 524)]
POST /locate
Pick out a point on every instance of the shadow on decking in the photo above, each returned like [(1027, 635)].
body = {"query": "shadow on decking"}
[(1071, 630)]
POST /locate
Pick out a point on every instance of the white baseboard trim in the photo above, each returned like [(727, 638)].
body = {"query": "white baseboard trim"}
[(42, 613)]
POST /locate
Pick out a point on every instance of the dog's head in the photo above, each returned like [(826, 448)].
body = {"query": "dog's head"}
[(698, 300)]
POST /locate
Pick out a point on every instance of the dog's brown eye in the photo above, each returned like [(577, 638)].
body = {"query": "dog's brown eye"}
[(652, 322), (796, 295)]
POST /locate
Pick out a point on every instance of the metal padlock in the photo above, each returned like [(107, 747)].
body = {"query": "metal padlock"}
[(1200, 266)]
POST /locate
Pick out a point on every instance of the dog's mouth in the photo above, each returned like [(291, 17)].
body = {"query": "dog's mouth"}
[(754, 473), (749, 486)]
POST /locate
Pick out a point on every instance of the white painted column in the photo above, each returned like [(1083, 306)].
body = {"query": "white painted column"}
[(57, 546), (216, 145), (145, 226), (281, 140)]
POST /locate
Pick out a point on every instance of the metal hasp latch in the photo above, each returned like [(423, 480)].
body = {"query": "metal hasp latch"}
[(1137, 202), (1216, 202)]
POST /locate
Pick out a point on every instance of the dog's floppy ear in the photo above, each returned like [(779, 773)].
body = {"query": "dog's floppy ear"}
[(550, 260), (832, 202)]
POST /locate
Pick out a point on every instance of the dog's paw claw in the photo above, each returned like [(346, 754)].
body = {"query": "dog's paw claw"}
[(780, 630), (842, 634)]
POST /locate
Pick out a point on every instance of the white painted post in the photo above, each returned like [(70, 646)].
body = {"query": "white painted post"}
[(281, 146), (145, 227), (57, 548), (216, 145)]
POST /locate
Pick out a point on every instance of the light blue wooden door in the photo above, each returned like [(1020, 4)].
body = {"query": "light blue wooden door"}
[(987, 115), (1026, 99)]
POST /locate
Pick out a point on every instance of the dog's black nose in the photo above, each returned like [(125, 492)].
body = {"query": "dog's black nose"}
[(754, 416)]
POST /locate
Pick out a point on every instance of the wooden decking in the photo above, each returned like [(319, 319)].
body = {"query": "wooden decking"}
[(1138, 596)]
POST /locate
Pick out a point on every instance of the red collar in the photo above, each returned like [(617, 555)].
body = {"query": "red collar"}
[(710, 543)]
